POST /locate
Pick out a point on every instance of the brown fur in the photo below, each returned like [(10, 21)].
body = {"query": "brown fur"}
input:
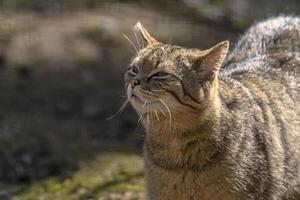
[(213, 132)]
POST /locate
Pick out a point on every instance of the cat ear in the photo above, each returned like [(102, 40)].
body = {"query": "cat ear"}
[(143, 36), (209, 61)]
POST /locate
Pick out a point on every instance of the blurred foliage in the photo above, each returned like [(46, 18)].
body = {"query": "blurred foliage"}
[(42, 5), (237, 13)]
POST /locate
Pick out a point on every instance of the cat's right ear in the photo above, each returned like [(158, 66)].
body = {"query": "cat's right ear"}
[(143, 36), (209, 61)]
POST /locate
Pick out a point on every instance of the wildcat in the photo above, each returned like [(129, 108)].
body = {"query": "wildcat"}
[(221, 126)]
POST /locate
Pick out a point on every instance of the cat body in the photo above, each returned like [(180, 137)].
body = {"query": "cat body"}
[(221, 132)]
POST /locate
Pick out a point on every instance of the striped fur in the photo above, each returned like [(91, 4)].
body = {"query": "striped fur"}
[(229, 132)]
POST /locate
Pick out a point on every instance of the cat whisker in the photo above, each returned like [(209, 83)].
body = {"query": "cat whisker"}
[(151, 117), (150, 114), (148, 120), (120, 110), (147, 111), (156, 115), (161, 110), (140, 118), (170, 115), (144, 104), (136, 49)]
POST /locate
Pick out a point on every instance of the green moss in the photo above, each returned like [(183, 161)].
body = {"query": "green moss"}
[(108, 172)]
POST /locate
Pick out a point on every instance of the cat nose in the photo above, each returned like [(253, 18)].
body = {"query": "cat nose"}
[(134, 83)]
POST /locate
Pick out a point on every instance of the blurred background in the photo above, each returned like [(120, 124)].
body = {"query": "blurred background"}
[(61, 78)]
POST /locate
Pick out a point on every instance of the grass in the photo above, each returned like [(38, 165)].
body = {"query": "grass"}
[(111, 175)]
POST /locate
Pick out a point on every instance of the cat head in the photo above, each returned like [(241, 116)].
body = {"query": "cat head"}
[(168, 80)]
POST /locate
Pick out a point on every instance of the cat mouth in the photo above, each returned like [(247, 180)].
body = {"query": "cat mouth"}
[(138, 99), (134, 95)]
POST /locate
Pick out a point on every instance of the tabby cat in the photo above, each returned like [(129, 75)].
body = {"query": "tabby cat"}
[(221, 126)]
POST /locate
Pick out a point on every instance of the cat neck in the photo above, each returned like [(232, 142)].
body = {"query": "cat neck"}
[(184, 145)]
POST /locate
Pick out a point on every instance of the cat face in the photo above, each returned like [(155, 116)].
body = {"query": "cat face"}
[(165, 78)]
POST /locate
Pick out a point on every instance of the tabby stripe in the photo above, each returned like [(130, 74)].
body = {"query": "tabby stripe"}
[(186, 93), (179, 100), (260, 104), (261, 144), (283, 130)]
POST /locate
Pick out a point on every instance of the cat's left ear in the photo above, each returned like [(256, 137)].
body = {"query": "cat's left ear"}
[(145, 39), (210, 61)]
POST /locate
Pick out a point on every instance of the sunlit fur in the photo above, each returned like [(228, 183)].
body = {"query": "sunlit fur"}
[(221, 133)]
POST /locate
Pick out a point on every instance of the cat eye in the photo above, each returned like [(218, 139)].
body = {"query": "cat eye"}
[(161, 75), (133, 70)]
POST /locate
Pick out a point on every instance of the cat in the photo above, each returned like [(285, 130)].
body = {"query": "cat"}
[(221, 125)]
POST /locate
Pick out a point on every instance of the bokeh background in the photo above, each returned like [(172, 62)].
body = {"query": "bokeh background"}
[(61, 78)]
